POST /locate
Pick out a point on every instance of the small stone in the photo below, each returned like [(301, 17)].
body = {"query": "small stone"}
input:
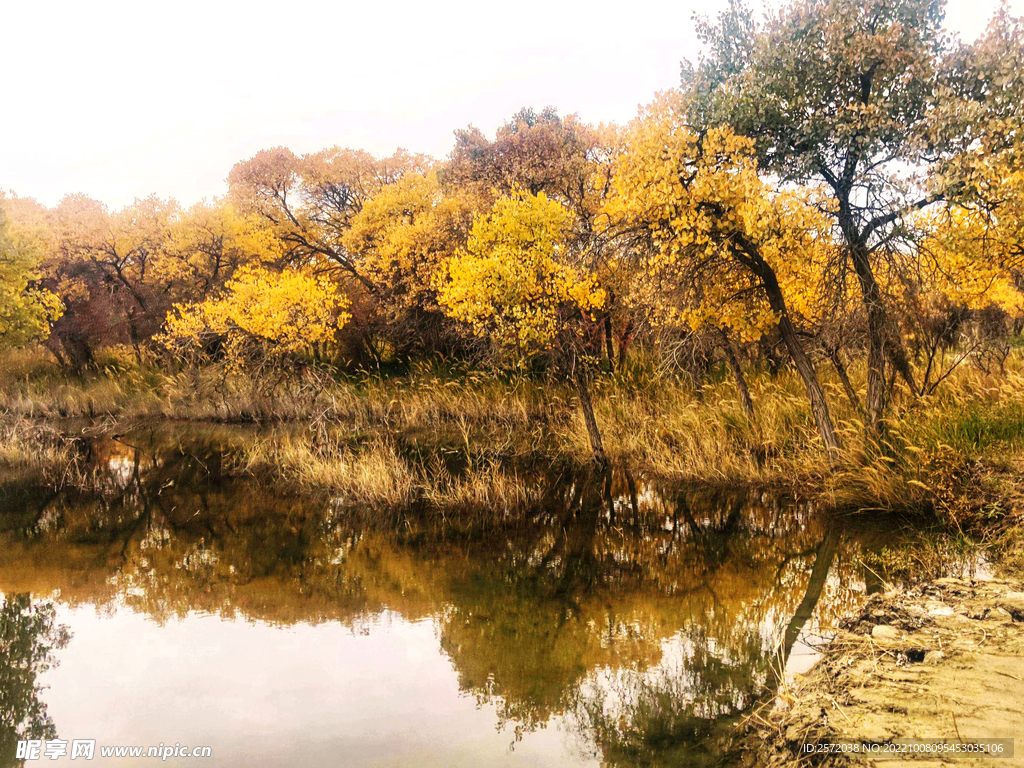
[(934, 657), (915, 610), (999, 614), (885, 632), (878, 613), (935, 608)]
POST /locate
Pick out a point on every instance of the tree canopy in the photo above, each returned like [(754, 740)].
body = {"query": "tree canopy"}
[(839, 178)]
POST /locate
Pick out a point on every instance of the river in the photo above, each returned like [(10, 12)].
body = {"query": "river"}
[(161, 599)]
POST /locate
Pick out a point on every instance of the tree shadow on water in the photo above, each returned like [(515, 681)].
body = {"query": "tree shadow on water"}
[(29, 638)]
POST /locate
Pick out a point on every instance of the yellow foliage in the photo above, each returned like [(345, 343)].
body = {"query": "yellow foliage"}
[(699, 201), (262, 315), (973, 249), (311, 200), (206, 243), (26, 310), (403, 235), (968, 261), (512, 283)]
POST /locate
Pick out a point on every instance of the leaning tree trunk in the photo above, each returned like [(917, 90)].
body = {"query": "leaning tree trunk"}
[(587, 406), (737, 372), (844, 377), (819, 406), (824, 556)]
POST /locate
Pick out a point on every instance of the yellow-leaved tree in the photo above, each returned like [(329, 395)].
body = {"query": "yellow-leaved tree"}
[(404, 232), (26, 310), (719, 245), (971, 258), (263, 319), (518, 285), (207, 243)]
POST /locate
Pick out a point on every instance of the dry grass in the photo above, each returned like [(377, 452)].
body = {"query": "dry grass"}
[(372, 474), (31, 448), (389, 440), (492, 487), (376, 472)]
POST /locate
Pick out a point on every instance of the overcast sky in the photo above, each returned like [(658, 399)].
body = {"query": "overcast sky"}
[(123, 99)]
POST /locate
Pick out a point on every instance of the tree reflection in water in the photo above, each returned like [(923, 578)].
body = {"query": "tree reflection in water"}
[(29, 637), (643, 615)]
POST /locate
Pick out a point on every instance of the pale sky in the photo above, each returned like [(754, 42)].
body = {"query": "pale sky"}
[(119, 100)]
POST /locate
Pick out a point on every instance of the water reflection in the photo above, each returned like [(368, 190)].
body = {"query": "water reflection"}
[(635, 618), (29, 639)]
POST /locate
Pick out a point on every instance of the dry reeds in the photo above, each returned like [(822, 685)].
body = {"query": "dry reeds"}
[(388, 432)]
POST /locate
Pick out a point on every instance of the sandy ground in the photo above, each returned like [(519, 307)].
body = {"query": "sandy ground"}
[(942, 661)]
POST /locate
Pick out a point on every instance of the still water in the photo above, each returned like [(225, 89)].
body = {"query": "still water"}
[(619, 622)]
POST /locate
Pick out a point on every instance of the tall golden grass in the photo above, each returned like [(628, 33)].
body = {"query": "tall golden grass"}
[(394, 440)]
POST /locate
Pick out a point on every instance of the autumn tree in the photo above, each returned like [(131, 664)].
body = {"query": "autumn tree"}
[(535, 152), (402, 237), (569, 161), (208, 243), (861, 98), (107, 268), (519, 285), (311, 199), (720, 247), (26, 310), (969, 263), (263, 320)]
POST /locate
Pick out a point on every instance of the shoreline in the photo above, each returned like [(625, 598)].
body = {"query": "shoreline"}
[(944, 660)]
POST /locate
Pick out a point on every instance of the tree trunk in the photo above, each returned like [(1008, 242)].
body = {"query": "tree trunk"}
[(77, 351), (881, 342), (749, 254), (53, 344), (898, 358), (624, 341), (824, 556), (819, 406), (844, 377), (609, 345), (133, 334), (875, 399), (770, 356), (737, 372), (587, 406)]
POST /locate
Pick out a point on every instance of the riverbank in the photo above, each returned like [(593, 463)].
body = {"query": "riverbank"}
[(941, 656), (938, 452), (941, 661)]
